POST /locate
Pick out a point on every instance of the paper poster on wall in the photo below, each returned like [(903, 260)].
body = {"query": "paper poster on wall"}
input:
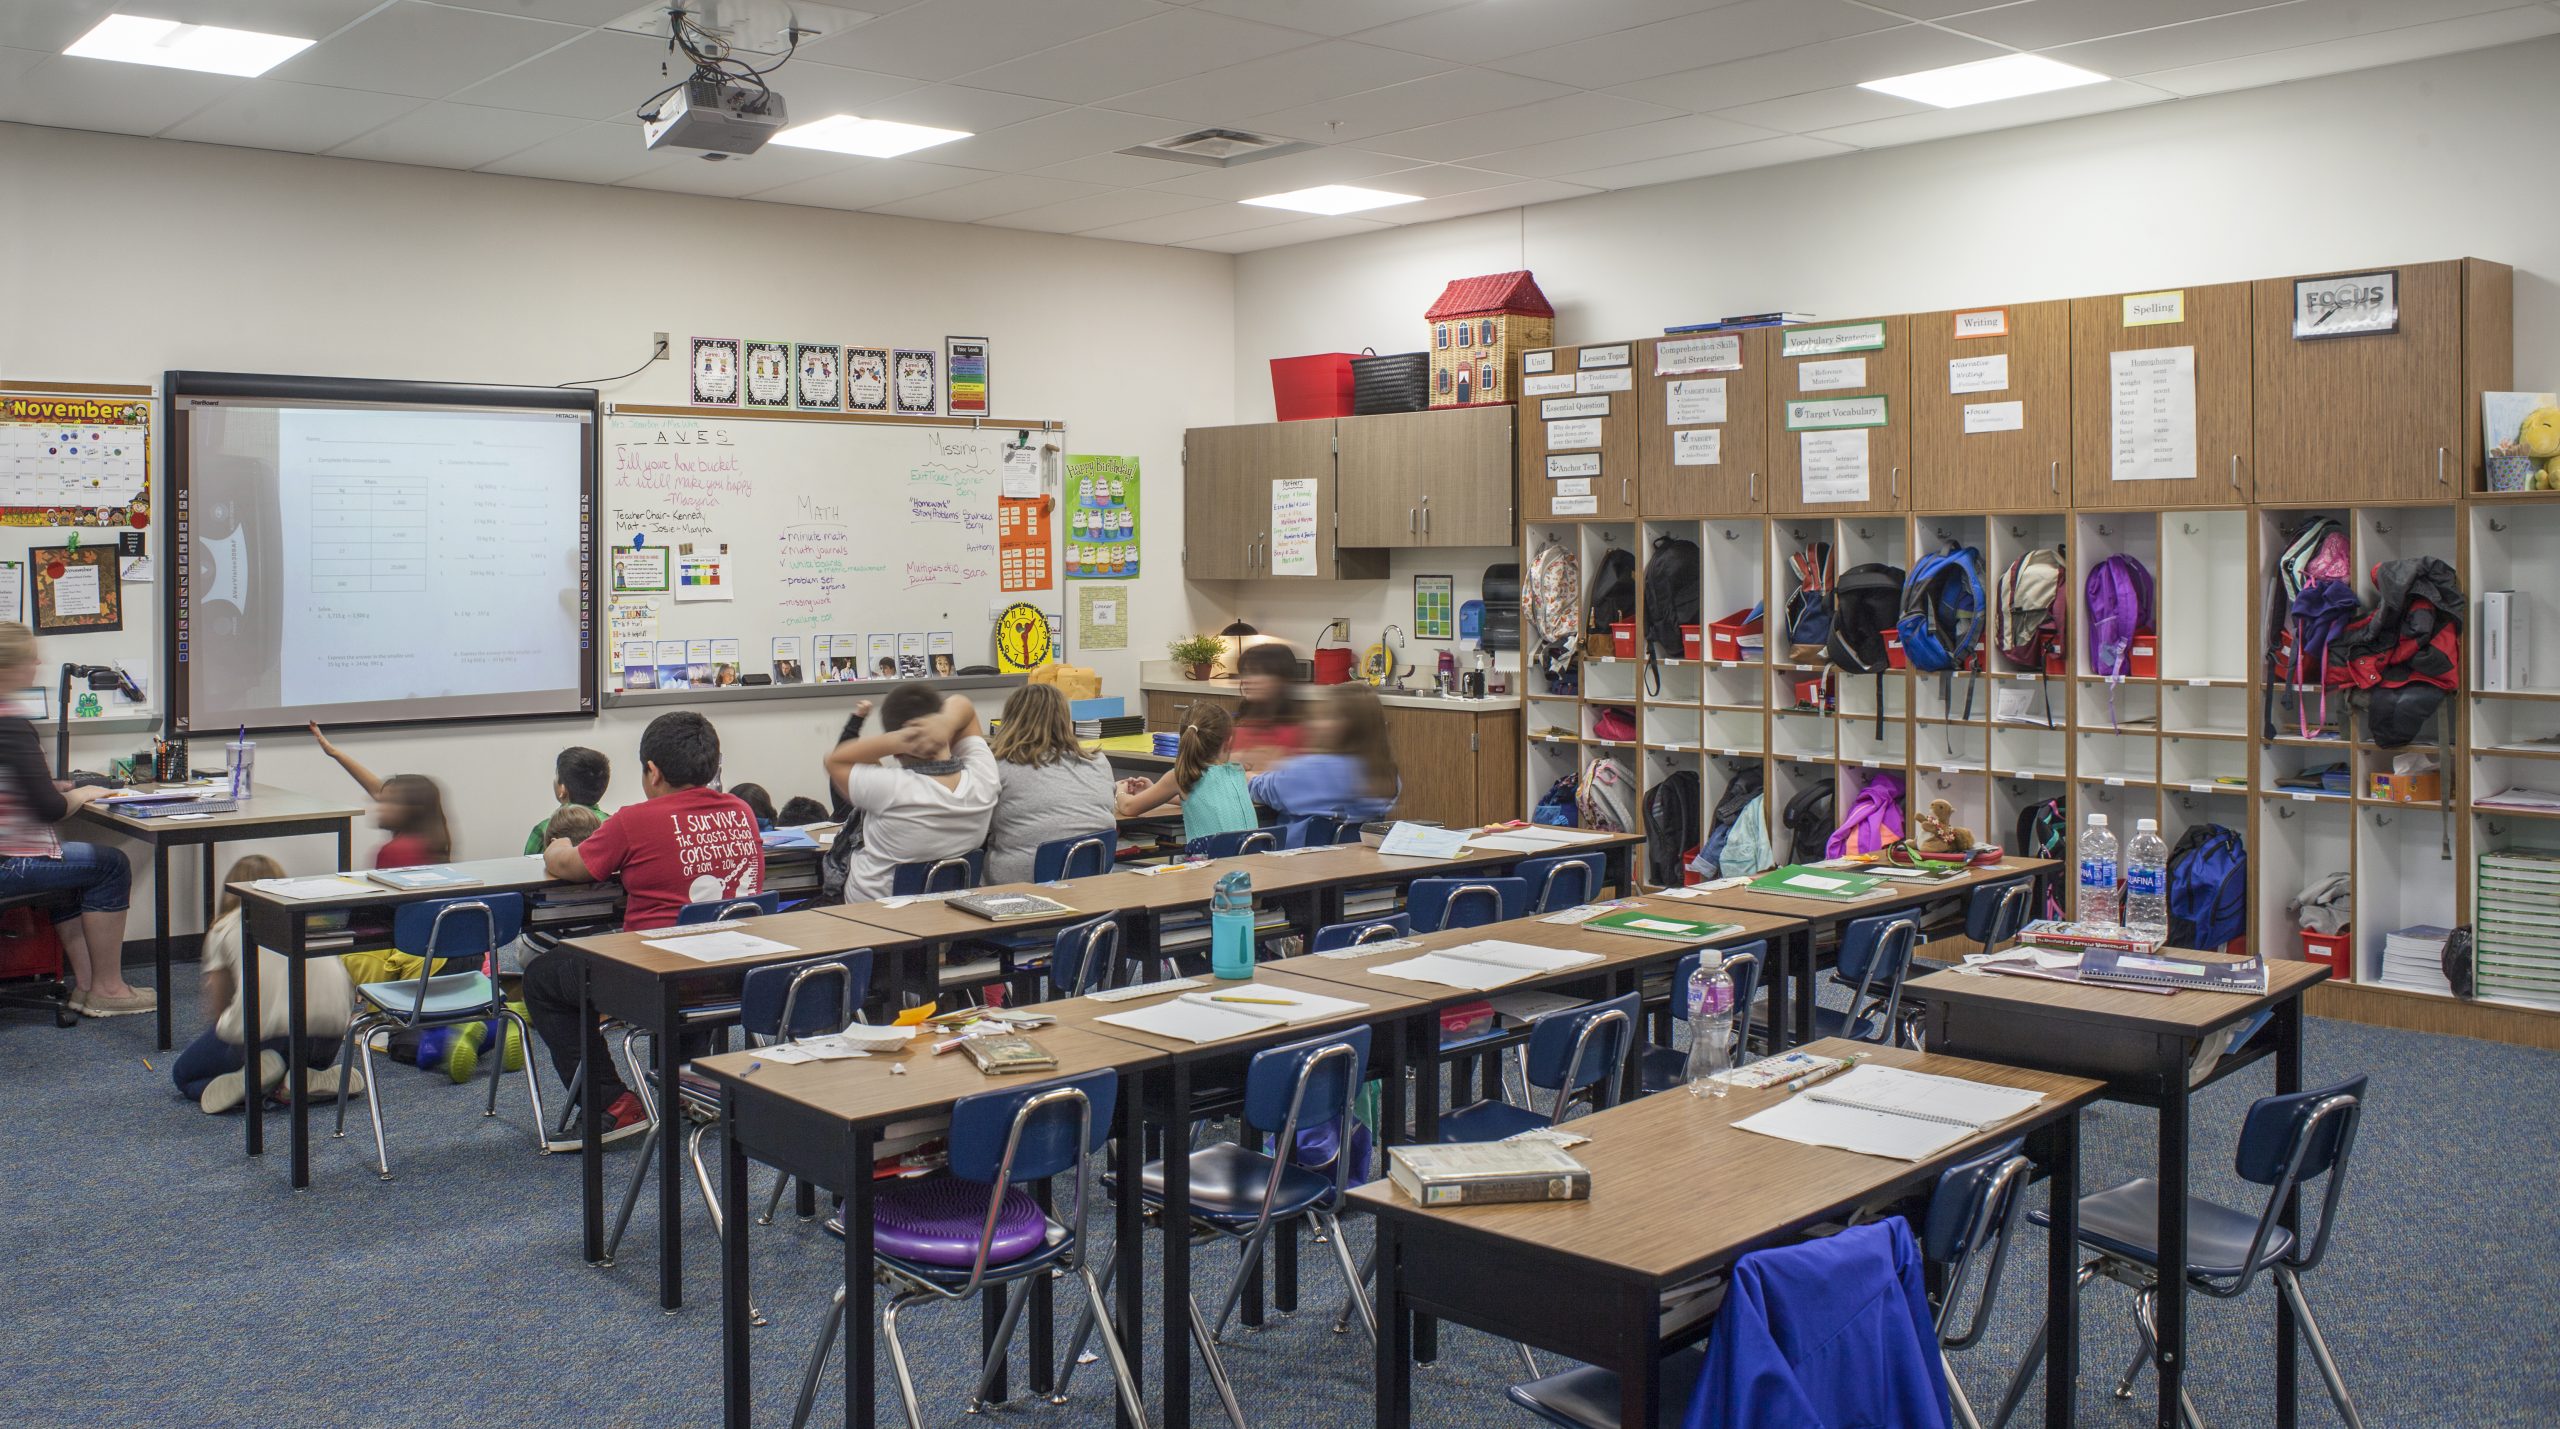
[(866, 379), (1572, 465), (1558, 408), (1982, 417), (1102, 517), (1840, 374), (1293, 526), (1833, 464), (1022, 544), (714, 372), (1021, 474), (1102, 621), (1609, 379), (1826, 413), (726, 661), (844, 658), (1978, 374), (640, 568), (818, 377), (73, 460), (768, 374), (966, 364), (1699, 448), (1715, 352), (13, 591), (911, 655), (1435, 607), (703, 575), (2152, 413), (639, 665), (915, 390), (1584, 505), (786, 660), (671, 666), (697, 663), (942, 650), (1570, 486), (1565, 436), (1699, 401), (1840, 337), (77, 589), (136, 570), (1613, 355), (880, 662), (630, 619)]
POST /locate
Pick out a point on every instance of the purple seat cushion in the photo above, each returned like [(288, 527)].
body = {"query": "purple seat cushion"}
[(936, 1220)]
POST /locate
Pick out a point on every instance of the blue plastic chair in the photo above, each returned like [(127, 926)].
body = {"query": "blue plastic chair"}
[(1079, 856), (1239, 841), (1659, 1069), (1875, 957), (1559, 883), (446, 930), (948, 1237), (693, 1015), (1361, 930), (957, 873), (1085, 957), (1993, 915), (1437, 903), (720, 910), (2286, 1143), (1571, 1050)]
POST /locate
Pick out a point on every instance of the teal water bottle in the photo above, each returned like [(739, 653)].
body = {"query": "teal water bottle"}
[(1231, 926)]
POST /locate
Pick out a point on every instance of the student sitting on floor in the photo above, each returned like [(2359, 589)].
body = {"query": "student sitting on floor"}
[(926, 788), (409, 807), (210, 1069), (1352, 774), (685, 843), (578, 780), (1214, 799)]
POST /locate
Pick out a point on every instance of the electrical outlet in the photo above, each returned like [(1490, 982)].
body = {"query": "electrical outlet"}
[(661, 340)]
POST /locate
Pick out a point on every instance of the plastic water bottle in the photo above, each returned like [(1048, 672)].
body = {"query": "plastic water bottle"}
[(2146, 881), (2098, 872), (1710, 995)]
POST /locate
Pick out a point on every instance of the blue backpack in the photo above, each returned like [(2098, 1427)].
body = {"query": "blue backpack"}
[(1942, 609), (1558, 805), (2208, 888)]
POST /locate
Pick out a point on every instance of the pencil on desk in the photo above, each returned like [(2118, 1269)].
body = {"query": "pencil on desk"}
[(1265, 1001)]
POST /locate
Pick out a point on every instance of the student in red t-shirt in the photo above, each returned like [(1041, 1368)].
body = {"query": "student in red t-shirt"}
[(685, 843)]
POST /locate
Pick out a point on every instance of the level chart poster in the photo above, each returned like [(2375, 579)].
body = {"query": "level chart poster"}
[(68, 459)]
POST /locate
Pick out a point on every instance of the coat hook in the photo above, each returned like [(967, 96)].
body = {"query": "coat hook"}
[(2381, 528), (2102, 529), (2497, 525), (2017, 532), (2284, 813), (2382, 821), (2497, 830), (1731, 534), (1863, 534), (2187, 527)]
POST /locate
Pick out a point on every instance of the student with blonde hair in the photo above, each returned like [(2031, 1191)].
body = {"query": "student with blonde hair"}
[(212, 1068), (35, 859), (1047, 786)]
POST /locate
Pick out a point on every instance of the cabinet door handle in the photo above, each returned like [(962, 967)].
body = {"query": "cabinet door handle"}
[(2054, 479), (1412, 521), (2440, 481), (1893, 482), (2235, 471), (1426, 516), (1751, 490), (1626, 491)]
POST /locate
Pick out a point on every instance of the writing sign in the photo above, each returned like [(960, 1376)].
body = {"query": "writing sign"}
[(1989, 322)]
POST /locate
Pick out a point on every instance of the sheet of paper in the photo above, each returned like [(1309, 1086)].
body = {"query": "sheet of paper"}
[(1870, 1133), (1552, 836), (1833, 465), (719, 945), (1583, 505), (1197, 1017), (1411, 840), (2020, 704), (1021, 478), (2152, 413), (1613, 379), (1816, 882), (134, 570), (324, 886), (1714, 352), (1840, 374), (1988, 373), (1994, 417), (1699, 448), (1293, 527), (1446, 971), (1698, 401), (1922, 1095), (75, 591), (1574, 917), (13, 591), (1582, 432), (1509, 842)]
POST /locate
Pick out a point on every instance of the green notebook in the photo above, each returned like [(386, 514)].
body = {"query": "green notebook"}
[(1798, 880), (1645, 923)]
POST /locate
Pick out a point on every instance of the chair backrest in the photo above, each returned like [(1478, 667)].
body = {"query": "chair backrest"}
[(472, 927), (1001, 1139), (1558, 883), (1875, 956), (1742, 963), (1974, 1208), (939, 875), (1586, 1046), (1085, 956), (2290, 1140), (1305, 1082), (1082, 856), (1437, 903), (719, 909), (1994, 912), (808, 998), (1361, 930), (1236, 841)]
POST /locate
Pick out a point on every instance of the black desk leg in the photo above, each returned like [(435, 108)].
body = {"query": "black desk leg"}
[(297, 1054), (1395, 1333), (2061, 1156), (1395, 1102), (159, 939), (669, 1046), (2173, 1229), (256, 1109), (1129, 1238), (861, 1302), (1640, 1379), (1250, 1312), (2288, 1020), (991, 1303), (1808, 967), (1779, 977), (207, 869), (1425, 1331), (591, 1056), (1176, 1307), (735, 1346), (1284, 1268)]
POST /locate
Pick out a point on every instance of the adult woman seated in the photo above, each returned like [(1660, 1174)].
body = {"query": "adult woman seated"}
[(35, 859)]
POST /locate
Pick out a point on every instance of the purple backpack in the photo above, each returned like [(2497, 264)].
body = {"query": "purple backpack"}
[(2119, 593), (1872, 820), (2319, 615)]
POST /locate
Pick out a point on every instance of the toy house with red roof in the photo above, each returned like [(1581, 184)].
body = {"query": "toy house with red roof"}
[(1479, 328)]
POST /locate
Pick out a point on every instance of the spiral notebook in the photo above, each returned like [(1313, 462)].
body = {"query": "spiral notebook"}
[(1887, 1111)]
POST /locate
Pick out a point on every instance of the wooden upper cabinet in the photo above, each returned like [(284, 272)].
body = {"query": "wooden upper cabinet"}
[(1802, 417), (1222, 533), (2378, 415), (1437, 478), (1991, 408), (1702, 448), (1578, 433), (2147, 369)]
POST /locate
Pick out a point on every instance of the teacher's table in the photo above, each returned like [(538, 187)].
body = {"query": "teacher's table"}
[(1678, 1193), (270, 813), (2145, 1047)]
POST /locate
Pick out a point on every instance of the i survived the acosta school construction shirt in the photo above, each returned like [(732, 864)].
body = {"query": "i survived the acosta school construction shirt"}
[(690, 846)]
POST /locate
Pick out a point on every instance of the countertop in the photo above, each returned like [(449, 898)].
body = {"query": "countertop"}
[(1158, 675)]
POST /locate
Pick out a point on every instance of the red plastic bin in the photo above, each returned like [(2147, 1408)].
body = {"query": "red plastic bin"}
[(2335, 951), (1316, 385)]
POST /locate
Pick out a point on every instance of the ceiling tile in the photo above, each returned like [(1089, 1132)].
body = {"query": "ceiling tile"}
[(2004, 114), (864, 183), (814, 91), (1822, 109), (1196, 223), (1439, 180), (422, 50), (1059, 137), (1285, 174), (109, 96), (1005, 193), (2263, 31), (1118, 169), (1720, 36), (740, 178), (2441, 37), (50, 26), (1938, 9), (1326, 17), (305, 118), (954, 106), (1294, 77), (571, 12), (604, 153), (602, 74), (1305, 230), (14, 63), (1451, 94), (1850, 60), (1765, 153), (1496, 29), (455, 136), (1564, 158), (1136, 56), (1560, 118), (1518, 194), (943, 38), (2047, 23), (1101, 210)]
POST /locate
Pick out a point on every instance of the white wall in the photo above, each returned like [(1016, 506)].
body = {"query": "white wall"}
[(2435, 159), (192, 256)]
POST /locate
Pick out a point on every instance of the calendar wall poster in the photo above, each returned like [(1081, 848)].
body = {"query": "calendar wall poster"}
[(68, 459)]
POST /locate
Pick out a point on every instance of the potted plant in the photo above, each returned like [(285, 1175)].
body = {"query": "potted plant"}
[(1195, 654)]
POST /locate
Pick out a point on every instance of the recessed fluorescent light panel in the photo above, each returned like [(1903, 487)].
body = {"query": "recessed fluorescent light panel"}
[(1983, 81), (1331, 199), (870, 138), (212, 49)]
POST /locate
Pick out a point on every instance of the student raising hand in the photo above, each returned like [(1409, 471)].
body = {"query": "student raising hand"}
[(365, 778)]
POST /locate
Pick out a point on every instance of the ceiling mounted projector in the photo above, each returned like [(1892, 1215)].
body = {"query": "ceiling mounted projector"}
[(718, 116)]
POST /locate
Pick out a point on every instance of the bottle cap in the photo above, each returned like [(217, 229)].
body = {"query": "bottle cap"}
[(2146, 826), (2097, 821)]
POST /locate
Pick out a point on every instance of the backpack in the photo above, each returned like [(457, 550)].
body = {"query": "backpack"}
[(2027, 610), (1608, 797), (1808, 820), (1865, 602), (2408, 652), (1552, 615), (2044, 831), (2318, 556), (1809, 606), (2119, 596), (1671, 596), (1873, 820), (1614, 724), (1613, 591), (1556, 806), (1942, 609), (1742, 789), (1671, 830), (2208, 888), (836, 868), (1747, 852)]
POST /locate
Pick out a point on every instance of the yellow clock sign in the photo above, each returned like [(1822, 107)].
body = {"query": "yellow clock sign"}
[(1022, 639)]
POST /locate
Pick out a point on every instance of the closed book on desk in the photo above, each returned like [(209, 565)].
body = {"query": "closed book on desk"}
[(422, 878), (1005, 907), (1487, 1173), (999, 1056), (2114, 965), (1641, 923)]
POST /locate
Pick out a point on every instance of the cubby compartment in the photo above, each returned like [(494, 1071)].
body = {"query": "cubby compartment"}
[(2515, 547), (1596, 713), (2123, 759), (1549, 761), (1950, 746), (1734, 555), (2122, 806), (1797, 549), (2029, 752), (2516, 786), (1673, 682), (1854, 778), (2297, 843), (1611, 679), (1862, 743), (2405, 877), (2287, 771), (2203, 594), (1960, 695), (2102, 536), (1733, 688), (1804, 689), (2384, 534), (1787, 779), (2129, 706), (2517, 956), (2204, 709), (2011, 798), (1732, 730), (1970, 794), (1795, 734), (2040, 701), (2204, 764), (2520, 726), (1670, 728), (1551, 718), (1716, 777)]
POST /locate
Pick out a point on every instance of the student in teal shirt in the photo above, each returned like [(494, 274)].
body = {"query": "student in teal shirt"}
[(1214, 800), (578, 778)]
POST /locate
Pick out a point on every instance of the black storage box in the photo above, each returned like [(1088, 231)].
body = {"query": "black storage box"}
[(1502, 607), (1395, 382)]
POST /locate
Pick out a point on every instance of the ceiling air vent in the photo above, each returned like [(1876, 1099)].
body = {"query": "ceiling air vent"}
[(1217, 148)]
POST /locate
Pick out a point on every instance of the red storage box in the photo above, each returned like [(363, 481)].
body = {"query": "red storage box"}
[(1317, 385), (1894, 659), (2334, 951), (1724, 637), (1465, 1021), (1622, 639), (1693, 642), (2053, 663), (2142, 658)]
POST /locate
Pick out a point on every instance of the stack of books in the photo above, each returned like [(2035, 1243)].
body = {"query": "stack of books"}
[(1742, 320), (1111, 726), (2413, 958), (2516, 955), (1168, 742), (1482, 1173), (2055, 933)]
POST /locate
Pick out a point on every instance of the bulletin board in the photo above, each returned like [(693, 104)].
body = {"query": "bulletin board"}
[(76, 458)]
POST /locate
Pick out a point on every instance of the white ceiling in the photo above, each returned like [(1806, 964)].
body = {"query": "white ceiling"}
[(1474, 104)]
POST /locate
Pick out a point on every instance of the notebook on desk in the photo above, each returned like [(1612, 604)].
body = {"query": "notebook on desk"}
[(1796, 880), (423, 877), (1005, 907), (1485, 963), (1235, 1010), (2248, 976), (1887, 1111)]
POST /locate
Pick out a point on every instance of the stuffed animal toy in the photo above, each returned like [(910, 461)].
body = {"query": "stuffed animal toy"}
[(1939, 833), (2539, 434)]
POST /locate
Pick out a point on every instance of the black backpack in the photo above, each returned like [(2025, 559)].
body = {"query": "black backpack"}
[(1613, 591), (1866, 605), (1671, 600), (2044, 831), (1809, 821), (1670, 827), (1738, 793)]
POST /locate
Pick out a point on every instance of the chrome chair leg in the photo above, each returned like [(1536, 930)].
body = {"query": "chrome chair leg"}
[(2290, 1285), (1359, 1278), (1096, 1306), (780, 1185), (2026, 1371), (999, 1352), (2145, 1312), (641, 1072), (373, 1104), (1246, 1263), (497, 1067), (631, 1195), (702, 1176), (1965, 1417), (1077, 1354), (532, 1076), (356, 1033), (898, 1355), (818, 1361), (1210, 1357), (2144, 1317), (1354, 1275)]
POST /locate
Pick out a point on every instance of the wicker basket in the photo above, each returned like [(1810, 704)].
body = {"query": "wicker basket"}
[(1395, 382)]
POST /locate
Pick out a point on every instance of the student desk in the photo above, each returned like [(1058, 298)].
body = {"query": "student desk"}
[(1678, 1193), (2142, 1046), (1791, 990), (271, 813), (820, 1120), (625, 978), (1168, 1104)]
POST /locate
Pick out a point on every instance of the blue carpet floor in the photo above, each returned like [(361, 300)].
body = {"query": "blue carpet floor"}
[(161, 1279)]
